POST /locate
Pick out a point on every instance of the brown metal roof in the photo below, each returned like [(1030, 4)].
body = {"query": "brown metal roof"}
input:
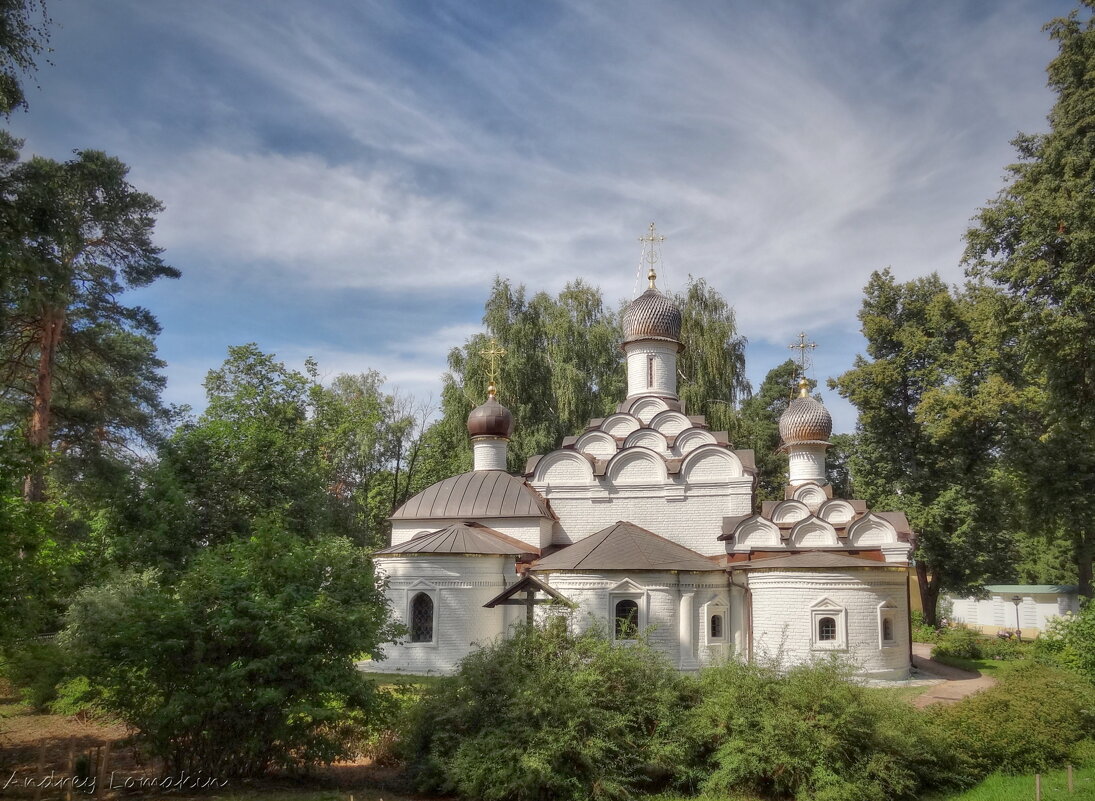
[(625, 546), (461, 538), (814, 559), (473, 496)]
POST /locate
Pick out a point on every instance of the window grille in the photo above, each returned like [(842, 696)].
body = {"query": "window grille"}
[(826, 629), (422, 618), (716, 627), (627, 619)]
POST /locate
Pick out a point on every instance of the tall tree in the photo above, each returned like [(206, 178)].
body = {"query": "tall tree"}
[(758, 428), (24, 34), (712, 365), (930, 429), (1036, 241), (75, 235)]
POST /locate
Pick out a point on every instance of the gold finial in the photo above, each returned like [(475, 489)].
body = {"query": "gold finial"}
[(492, 353), (803, 388), (650, 252)]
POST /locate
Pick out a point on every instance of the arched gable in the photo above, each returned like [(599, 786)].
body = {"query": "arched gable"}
[(596, 443), (620, 424), (647, 438), (563, 467), (756, 532), (636, 466), (790, 512), (647, 407), (670, 422), (813, 533), (871, 530), (710, 463), (810, 494), (692, 438), (836, 511)]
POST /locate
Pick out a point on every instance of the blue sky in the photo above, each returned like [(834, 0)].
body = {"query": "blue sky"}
[(344, 179)]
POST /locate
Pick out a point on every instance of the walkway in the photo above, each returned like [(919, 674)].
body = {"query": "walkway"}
[(957, 683)]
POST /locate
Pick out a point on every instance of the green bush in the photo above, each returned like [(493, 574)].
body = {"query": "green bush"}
[(809, 733), (921, 631), (958, 642), (1003, 649), (551, 715), (1028, 722), (36, 667), (246, 662), (1069, 642)]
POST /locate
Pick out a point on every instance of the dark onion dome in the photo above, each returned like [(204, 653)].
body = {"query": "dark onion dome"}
[(652, 316), (806, 421), (492, 419)]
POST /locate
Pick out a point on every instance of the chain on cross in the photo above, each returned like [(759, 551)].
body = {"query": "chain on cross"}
[(803, 347), (650, 252), (493, 353)]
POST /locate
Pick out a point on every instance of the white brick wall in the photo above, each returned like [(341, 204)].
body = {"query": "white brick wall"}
[(664, 356), (460, 585), (783, 621)]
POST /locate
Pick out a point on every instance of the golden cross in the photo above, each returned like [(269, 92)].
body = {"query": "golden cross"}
[(802, 346), (493, 353), (650, 254)]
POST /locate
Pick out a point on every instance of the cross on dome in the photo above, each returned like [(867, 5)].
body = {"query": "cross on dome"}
[(803, 347), (492, 353), (650, 252)]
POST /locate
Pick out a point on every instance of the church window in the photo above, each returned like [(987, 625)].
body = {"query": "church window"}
[(826, 629), (716, 627), (887, 614), (627, 619), (649, 372), (422, 618), (887, 630)]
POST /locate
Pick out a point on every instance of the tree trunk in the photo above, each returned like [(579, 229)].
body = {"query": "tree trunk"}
[(1085, 553), (929, 593), (49, 337)]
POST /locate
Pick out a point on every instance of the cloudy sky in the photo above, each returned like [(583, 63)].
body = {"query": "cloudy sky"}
[(345, 179)]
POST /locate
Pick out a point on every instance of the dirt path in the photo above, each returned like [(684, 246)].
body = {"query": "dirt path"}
[(957, 683)]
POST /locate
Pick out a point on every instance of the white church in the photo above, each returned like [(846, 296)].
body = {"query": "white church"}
[(646, 523)]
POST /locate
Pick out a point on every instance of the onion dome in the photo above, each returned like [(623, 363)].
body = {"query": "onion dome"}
[(806, 421), (652, 316), (492, 419)]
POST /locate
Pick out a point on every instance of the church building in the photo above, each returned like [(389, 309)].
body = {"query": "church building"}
[(646, 523)]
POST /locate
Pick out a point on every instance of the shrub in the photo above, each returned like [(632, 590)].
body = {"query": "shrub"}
[(36, 667), (1003, 649), (921, 631), (958, 642), (1069, 642), (811, 734), (1028, 722), (245, 663), (548, 714)]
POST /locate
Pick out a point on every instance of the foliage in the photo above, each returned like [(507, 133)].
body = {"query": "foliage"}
[(758, 428), (960, 642), (36, 667), (24, 34), (548, 714), (921, 631), (930, 429), (809, 733), (1034, 241), (1030, 721), (1069, 641), (246, 662)]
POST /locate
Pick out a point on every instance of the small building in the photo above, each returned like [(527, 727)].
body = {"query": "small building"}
[(1028, 607)]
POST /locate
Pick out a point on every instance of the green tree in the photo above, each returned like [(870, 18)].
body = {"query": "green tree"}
[(79, 367), (24, 34), (1036, 241), (931, 427), (712, 364), (246, 662)]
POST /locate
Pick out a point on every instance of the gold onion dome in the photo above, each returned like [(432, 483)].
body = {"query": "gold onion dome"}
[(492, 419), (806, 421), (652, 316)]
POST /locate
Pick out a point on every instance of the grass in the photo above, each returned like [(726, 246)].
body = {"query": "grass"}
[(1021, 788), (906, 694), (389, 679), (986, 667)]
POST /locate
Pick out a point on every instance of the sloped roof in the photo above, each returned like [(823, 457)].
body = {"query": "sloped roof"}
[(461, 538), (625, 546), (813, 559), (475, 495)]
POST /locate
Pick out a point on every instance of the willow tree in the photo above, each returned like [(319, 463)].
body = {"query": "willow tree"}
[(1036, 241)]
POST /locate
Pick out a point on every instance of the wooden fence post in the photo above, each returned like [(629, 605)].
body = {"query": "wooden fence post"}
[(70, 763), (1037, 787), (38, 771), (104, 758), (1070, 779)]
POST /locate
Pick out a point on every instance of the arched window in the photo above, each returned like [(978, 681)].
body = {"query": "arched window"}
[(716, 627), (627, 619), (887, 630), (649, 372), (826, 629), (422, 618)]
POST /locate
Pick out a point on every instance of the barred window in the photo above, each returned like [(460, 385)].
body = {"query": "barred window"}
[(627, 619), (826, 629), (716, 627), (422, 618), (887, 630)]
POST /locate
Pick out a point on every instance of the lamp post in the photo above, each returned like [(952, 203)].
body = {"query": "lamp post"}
[(1015, 599)]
